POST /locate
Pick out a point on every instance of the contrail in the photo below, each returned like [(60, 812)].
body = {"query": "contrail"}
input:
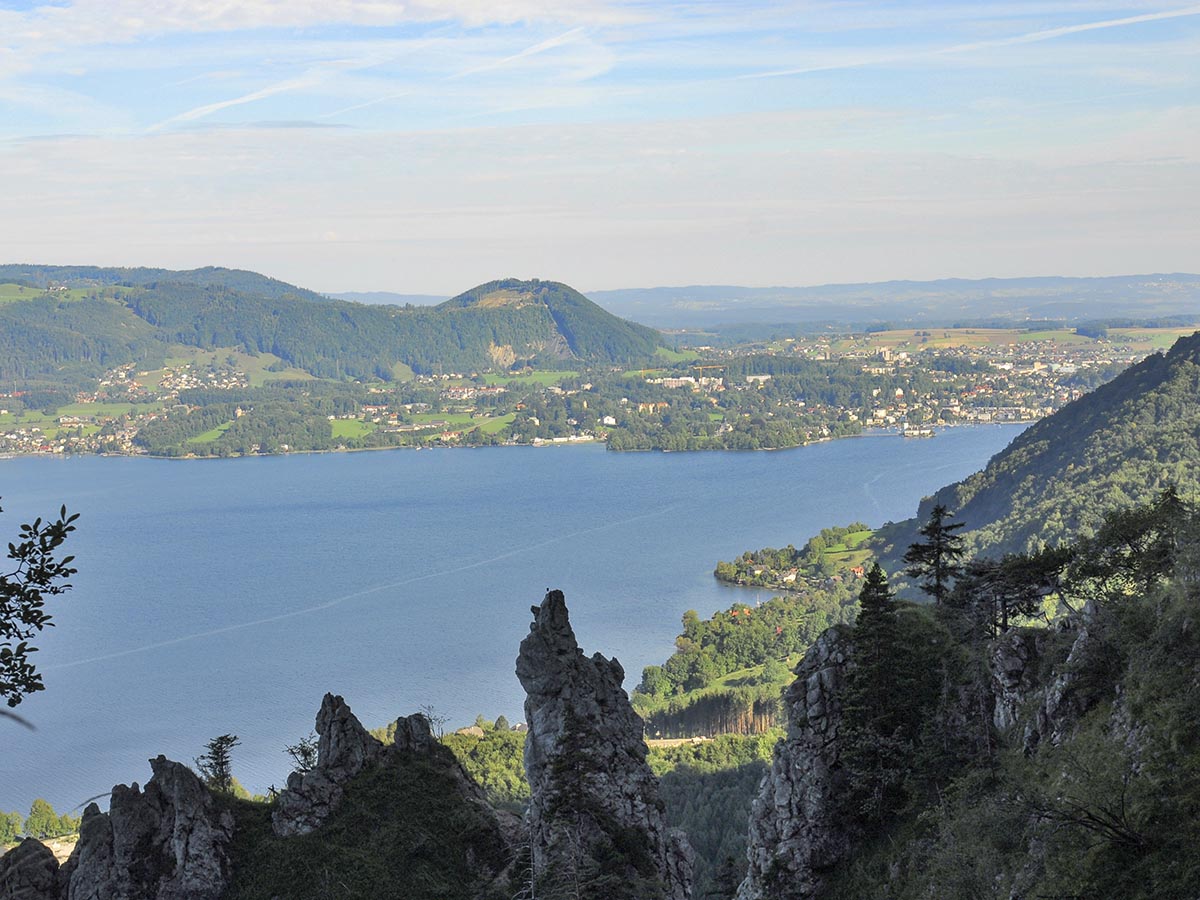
[(354, 595), (1029, 38), (549, 44)]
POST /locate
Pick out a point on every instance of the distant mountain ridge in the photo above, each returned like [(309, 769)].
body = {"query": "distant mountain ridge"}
[(99, 276), (83, 319), (944, 301), (1118, 446)]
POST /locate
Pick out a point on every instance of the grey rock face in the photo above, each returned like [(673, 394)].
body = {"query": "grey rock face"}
[(169, 842), (591, 789), (797, 829), (344, 749), (1014, 658), (1026, 705), (29, 872)]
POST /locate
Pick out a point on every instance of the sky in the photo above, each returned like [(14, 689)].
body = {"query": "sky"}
[(427, 146)]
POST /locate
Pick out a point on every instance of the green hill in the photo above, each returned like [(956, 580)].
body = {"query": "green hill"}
[(64, 322), (1115, 447), (588, 331)]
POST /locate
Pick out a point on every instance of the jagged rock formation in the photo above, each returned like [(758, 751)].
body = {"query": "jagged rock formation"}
[(29, 872), (169, 842), (595, 821), (344, 750), (797, 830)]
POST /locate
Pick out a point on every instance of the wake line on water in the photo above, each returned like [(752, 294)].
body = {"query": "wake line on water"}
[(329, 604)]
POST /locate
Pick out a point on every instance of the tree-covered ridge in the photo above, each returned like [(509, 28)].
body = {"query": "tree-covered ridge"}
[(76, 277), (83, 320), (1119, 445)]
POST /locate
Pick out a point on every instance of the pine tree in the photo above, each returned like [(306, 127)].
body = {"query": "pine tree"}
[(936, 560), (215, 764), (875, 712)]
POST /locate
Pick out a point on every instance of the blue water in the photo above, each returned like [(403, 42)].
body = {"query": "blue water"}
[(228, 596)]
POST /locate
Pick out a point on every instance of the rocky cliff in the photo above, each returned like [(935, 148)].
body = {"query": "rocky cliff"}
[(797, 830), (1030, 691), (595, 822), (168, 842), (344, 749)]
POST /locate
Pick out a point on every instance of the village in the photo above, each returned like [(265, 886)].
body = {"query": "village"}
[(915, 384)]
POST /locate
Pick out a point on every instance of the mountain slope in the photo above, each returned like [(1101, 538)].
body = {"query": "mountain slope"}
[(78, 321), (1118, 446)]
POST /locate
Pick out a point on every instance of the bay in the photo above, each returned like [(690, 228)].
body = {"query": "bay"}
[(228, 596)]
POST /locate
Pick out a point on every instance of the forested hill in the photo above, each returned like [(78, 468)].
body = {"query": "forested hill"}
[(1118, 446), (56, 322), (97, 276), (588, 330)]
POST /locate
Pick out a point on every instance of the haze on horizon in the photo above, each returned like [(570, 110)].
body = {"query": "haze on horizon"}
[(358, 145)]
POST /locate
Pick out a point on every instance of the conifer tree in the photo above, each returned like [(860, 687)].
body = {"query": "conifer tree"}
[(875, 710), (936, 559), (216, 764)]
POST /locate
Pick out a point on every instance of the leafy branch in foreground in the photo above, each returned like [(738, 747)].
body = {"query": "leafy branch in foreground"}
[(38, 574)]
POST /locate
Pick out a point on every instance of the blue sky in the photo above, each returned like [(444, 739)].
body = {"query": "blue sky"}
[(428, 146)]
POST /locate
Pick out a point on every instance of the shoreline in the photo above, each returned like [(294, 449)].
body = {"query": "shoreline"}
[(889, 431)]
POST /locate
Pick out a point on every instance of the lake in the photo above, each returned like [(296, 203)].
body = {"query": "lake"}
[(227, 596)]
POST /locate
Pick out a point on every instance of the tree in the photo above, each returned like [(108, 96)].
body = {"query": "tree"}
[(993, 592), (37, 574), (501, 724), (12, 826), (43, 822), (935, 560), (437, 721), (875, 708), (215, 764), (304, 753)]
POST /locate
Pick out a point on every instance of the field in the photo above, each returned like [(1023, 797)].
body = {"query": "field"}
[(848, 554), (676, 355), (1148, 339), (530, 378), (211, 435), (15, 293), (910, 339), (351, 428), (493, 426), (255, 367)]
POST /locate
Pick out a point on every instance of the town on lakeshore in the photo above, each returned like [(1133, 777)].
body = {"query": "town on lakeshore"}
[(753, 395)]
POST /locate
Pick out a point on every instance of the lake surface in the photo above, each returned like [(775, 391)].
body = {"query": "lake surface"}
[(228, 596)]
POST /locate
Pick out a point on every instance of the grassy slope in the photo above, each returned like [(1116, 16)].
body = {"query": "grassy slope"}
[(402, 832)]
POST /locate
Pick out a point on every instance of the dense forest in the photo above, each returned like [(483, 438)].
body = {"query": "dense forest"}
[(727, 671)]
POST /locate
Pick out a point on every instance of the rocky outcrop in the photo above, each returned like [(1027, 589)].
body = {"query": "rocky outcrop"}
[(595, 820), (169, 842), (344, 750), (1014, 663), (797, 830), (29, 872), (1028, 705)]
